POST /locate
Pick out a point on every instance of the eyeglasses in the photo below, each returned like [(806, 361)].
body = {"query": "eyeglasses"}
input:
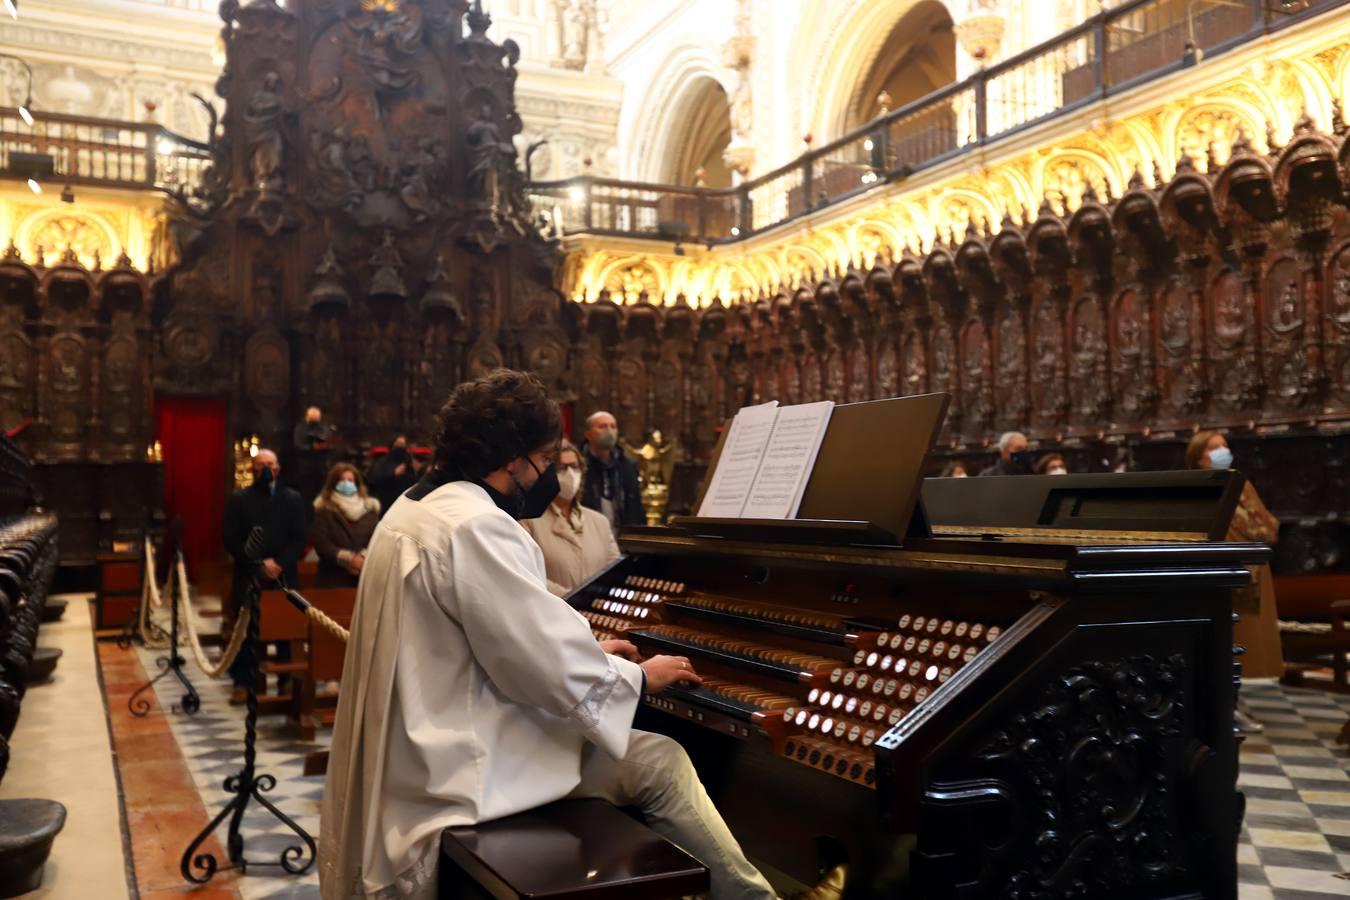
[(569, 467)]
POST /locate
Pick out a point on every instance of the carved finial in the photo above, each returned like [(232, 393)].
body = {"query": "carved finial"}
[(69, 256), (12, 251), (41, 255), (1136, 179), (1026, 214), (1272, 143), (1337, 117), (1007, 224), (123, 261), (150, 266), (478, 20), (1089, 192), (1242, 143), (1157, 174), (98, 260), (1211, 158), (1046, 209), (1305, 123), (1185, 163), (1110, 194), (986, 229)]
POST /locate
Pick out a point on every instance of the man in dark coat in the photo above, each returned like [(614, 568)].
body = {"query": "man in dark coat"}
[(392, 474), (280, 512), (1013, 456), (611, 477), (314, 439)]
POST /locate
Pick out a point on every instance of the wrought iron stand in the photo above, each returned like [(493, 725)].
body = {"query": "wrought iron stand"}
[(201, 868), (190, 703)]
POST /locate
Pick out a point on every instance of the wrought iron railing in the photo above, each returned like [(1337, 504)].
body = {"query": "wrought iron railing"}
[(1112, 51), (88, 151)]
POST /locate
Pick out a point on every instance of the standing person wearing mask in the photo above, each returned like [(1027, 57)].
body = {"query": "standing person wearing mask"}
[(612, 488), (344, 519), (392, 474), (577, 542), (1014, 455), (1257, 627), (281, 514), (314, 439)]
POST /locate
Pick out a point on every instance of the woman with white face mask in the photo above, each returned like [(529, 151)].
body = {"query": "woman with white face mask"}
[(1257, 627), (577, 541)]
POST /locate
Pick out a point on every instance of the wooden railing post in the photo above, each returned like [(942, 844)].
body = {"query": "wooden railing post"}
[(151, 154), (808, 183), (981, 107)]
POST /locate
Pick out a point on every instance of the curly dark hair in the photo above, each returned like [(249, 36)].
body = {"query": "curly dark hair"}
[(492, 420)]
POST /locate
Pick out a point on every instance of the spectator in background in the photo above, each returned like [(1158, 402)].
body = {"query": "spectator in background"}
[(393, 473), (1052, 464), (577, 542), (313, 440), (612, 487), (345, 517), (280, 512), (1257, 627), (1014, 455), (954, 469)]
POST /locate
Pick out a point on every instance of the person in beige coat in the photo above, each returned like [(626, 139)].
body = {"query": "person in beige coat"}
[(577, 541)]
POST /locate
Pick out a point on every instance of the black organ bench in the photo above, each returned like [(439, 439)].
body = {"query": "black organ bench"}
[(1034, 702), (569, 850)]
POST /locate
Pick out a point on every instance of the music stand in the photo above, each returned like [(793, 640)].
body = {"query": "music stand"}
[(865, 485)]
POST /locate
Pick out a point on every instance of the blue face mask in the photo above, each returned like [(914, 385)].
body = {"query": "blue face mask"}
[(346, 488), (1221, 458)]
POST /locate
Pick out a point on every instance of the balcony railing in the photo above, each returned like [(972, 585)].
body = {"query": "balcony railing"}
[(88, 151), (1113, 51)]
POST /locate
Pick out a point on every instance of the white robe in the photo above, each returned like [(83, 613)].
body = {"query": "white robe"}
[(468, 693)]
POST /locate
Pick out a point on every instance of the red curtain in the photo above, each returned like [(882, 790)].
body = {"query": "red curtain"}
[(191, 433)]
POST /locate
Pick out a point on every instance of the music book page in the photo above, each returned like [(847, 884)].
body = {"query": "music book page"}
[(736, 467), (788, 459)]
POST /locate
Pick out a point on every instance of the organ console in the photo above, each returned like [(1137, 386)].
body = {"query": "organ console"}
[(1033, 701)]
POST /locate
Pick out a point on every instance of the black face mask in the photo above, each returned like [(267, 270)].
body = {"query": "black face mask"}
[(264, 480), (1021, 460), (399, 453), (533, 502)]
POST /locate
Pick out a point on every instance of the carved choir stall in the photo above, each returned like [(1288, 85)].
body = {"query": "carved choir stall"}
[(1214, 299)]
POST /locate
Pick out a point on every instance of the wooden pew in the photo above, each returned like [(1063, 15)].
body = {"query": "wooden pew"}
[(281, 623), (326, 654), (1319, 605)]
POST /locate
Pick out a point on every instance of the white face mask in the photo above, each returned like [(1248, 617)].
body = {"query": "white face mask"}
[(1058, 470), (958, 474), (569, 482)]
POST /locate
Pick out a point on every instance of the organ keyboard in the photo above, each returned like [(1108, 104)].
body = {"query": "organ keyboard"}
[(1026, 707)]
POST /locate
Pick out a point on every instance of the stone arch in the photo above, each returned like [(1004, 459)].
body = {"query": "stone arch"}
[(86, 232), (674, 89), (844, 46)]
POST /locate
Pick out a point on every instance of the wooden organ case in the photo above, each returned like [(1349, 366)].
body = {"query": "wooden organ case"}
[(1033, 701)]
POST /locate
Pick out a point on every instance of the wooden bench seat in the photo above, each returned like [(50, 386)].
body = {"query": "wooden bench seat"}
[(1324, 600), (584, 849)]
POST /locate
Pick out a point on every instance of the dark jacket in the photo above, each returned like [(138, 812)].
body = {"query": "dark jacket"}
[(1005, 467), (384, 485), (313, 455), (337, 538), (282, 516), (616, 479)]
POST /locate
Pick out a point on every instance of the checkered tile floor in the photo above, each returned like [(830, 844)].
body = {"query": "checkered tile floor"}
[(1296, 778), (1296, 842)]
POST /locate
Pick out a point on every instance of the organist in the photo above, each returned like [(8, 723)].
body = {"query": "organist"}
[(471, 693)]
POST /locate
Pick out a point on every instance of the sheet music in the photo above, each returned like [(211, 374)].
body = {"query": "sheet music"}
[(788, 459), (739, 462)]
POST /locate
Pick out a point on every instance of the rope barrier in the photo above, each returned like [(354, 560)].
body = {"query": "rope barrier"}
[(149, 598), (328, 624), (222, 665)]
